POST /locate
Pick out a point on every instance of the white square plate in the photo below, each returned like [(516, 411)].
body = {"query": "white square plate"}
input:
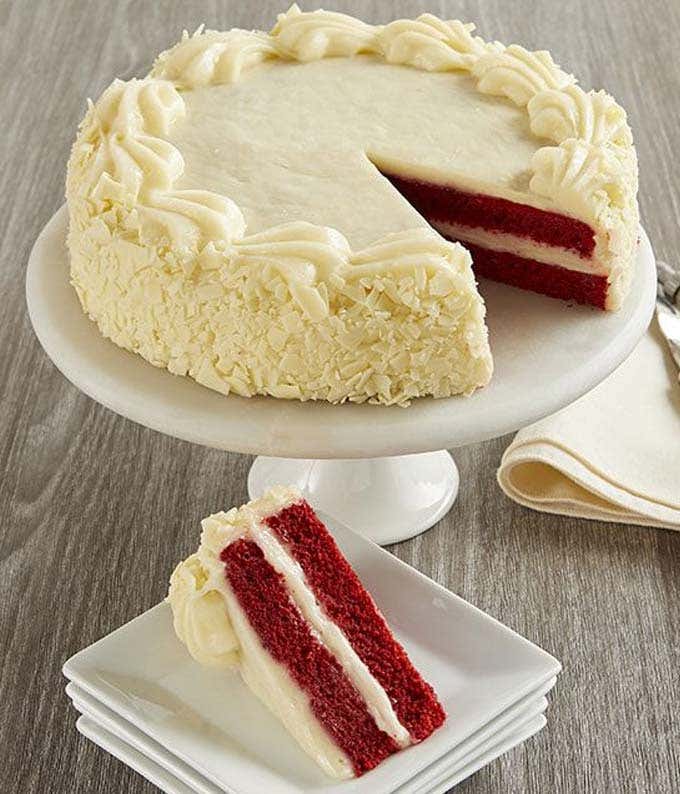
[(497, 730), (448, 780), (168, 783), (136, 760), (97, 713), (210, 720)]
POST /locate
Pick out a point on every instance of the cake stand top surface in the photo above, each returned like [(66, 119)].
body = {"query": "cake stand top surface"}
[(546, 355)]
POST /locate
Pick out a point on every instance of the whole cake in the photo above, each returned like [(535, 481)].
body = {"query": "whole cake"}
[(269, 592), (274, 213)]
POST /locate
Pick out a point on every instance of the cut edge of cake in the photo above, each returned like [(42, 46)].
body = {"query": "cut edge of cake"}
[(270, 594)]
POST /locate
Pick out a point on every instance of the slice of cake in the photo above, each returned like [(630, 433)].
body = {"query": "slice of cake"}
[(269, 592)]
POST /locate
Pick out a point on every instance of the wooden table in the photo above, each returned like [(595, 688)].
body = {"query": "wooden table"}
[(97, 510)]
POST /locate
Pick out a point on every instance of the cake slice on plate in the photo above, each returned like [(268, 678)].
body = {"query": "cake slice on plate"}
[(270, 593)]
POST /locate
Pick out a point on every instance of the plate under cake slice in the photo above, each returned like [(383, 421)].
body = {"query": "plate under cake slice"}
[(270, 593)]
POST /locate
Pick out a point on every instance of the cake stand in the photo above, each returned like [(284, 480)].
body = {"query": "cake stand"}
[(381, 470)]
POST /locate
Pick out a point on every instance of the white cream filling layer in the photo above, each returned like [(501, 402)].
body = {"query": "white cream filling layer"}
[(329, 634), (527, 249)]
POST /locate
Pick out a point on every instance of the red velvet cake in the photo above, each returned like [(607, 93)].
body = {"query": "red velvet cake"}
[(270, 592), (326, 247)]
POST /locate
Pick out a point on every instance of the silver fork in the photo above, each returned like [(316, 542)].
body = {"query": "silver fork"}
[(668, 306)]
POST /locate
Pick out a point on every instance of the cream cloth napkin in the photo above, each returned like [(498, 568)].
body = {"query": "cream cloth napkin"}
[(614, 455)]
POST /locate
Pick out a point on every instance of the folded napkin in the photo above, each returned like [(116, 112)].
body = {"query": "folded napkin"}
[(614, 455)]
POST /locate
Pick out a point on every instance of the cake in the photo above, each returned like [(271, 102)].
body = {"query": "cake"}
[(269, 593), (302, 213)]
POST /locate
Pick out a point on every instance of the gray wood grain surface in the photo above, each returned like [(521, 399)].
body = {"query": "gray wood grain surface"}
[(96, 510)]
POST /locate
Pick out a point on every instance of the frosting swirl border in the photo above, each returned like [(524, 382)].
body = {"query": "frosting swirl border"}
[(135, 165), (558, 109)]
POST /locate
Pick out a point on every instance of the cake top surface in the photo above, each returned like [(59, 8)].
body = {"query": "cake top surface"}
[(300, 141), (240, 131), (272, 116)]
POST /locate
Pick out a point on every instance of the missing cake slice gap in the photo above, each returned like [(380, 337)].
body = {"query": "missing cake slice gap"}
[(517, 244)]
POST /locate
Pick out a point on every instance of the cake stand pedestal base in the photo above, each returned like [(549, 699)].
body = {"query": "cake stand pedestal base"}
[(385, 499)]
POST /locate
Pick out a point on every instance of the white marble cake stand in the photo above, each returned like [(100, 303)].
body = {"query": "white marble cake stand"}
[(358, 463)]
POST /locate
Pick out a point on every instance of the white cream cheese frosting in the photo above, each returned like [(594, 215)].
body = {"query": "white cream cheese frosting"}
[(217, 633), (313, 158), (199, 617), (210, 238)]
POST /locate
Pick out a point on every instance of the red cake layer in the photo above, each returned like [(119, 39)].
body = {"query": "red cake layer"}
[(346, 602), (336, 703), (529, 274), (446, 203)]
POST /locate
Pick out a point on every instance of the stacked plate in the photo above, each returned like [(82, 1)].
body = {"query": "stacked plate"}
[(191, 729)]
